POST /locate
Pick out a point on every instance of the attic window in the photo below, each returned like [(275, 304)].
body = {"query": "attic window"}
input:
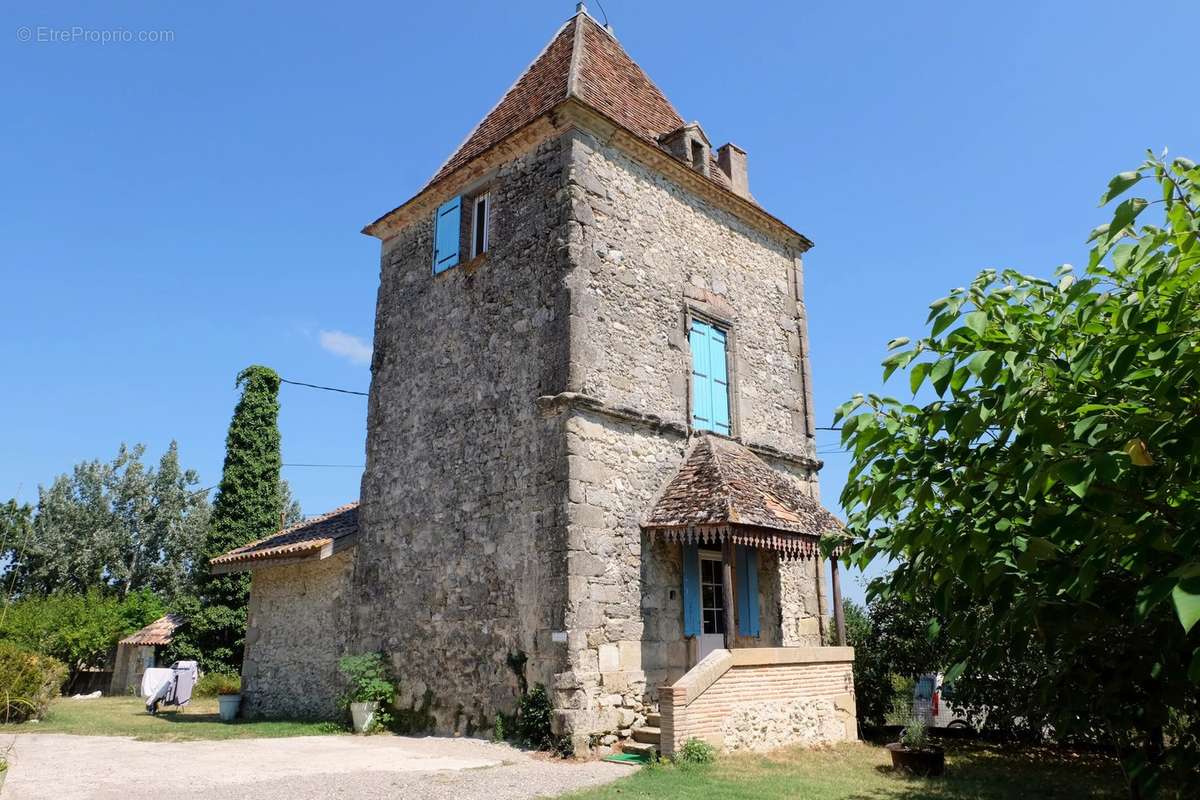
[(697, 155)]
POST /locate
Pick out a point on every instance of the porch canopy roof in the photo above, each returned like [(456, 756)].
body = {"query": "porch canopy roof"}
[(724, 492)]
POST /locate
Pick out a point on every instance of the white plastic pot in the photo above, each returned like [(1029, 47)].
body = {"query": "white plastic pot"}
[(363, 714), (228, 705)]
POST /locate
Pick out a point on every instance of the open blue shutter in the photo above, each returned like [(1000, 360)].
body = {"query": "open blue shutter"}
[(691, 590), (710, 378), (719, 374), (701, 381), (747, 590), (447, 227)]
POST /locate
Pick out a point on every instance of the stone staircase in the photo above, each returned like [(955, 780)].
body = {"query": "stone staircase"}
[(646, 738)]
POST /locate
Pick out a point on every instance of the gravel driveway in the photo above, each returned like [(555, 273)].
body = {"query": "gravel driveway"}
[(61, 767)]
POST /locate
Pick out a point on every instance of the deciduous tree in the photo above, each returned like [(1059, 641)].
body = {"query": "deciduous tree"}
[(1053, 479)]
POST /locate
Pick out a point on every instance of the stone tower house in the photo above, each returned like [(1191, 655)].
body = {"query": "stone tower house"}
[(590, 451)]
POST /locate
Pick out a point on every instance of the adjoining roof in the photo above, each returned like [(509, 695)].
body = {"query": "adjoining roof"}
[(156, 633), (583, 60), (314, 538), (721, 485)]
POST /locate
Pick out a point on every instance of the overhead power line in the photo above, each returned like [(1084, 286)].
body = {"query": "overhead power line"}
[(323, 388), (336, 466)]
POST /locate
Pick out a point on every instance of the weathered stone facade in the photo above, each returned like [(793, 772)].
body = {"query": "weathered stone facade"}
[(527, 407), (461, 569), (508, 529), (293, 639), (645, 255)]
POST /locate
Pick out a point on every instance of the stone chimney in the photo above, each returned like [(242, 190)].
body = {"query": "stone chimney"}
[(732, 161)]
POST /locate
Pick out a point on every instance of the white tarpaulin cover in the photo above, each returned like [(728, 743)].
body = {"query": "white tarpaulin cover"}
[(155, 677)]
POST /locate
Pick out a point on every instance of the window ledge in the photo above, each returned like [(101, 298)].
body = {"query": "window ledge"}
[(475, 263)]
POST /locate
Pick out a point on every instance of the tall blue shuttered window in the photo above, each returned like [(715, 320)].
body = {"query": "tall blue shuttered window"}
[(710, 377)]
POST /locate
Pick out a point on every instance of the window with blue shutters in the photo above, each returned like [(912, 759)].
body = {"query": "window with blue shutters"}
[(747, 590), (447, 235), (691, 590), (710, 377)]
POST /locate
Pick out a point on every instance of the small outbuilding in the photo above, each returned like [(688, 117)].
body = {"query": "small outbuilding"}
[(140, 651)]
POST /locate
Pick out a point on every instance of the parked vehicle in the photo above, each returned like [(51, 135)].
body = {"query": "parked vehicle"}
[(933, 703)]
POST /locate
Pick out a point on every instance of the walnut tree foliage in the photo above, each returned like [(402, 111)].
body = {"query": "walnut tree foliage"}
[(249, 501), (1052, 479)]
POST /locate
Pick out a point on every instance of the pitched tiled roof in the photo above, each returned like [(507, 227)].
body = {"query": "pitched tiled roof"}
[(722, 483), (583, 60), (300, 539), (158, 632)]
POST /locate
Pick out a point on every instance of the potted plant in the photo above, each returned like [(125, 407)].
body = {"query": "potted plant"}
[(914, 754), (228, 689), (369, 681)]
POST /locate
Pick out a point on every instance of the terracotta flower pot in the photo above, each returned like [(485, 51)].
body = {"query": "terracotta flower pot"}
[(924, 761)]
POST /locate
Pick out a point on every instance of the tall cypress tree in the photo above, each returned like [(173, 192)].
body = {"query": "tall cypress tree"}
[(249, 500)]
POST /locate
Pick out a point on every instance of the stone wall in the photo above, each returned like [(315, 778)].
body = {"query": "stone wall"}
[(293, 639), (648, 253), (644, 255), (762, 699), (461, 574), (129, 667)]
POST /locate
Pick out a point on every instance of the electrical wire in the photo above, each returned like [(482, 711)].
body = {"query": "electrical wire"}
[(323, 388)]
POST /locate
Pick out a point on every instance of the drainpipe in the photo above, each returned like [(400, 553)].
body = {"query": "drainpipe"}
[(839, 618)]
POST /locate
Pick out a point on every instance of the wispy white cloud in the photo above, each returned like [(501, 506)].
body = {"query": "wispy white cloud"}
[(346, 345)]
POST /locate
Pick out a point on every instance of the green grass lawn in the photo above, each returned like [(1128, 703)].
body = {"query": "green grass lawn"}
[(864, 772), (126, 716)]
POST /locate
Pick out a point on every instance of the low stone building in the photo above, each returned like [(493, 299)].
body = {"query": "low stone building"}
[(140, 651), (590, 448)]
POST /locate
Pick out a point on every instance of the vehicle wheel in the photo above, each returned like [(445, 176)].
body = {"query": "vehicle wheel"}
[(959, 723)]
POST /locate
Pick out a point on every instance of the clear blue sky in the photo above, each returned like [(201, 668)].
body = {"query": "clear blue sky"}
[(171, 212)]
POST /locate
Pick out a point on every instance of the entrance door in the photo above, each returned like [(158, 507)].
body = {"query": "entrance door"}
[(712, 604)]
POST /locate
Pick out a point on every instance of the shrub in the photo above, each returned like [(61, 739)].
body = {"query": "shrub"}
[(218, 683), (900, 711), (79, 630), (370, 679), (915, 734), (533, 719), (28, 682), (695, 752)]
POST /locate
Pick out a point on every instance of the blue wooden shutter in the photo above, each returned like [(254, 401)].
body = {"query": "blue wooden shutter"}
[(747, 590), (701, 382), (720, 380), (447, 230), (710, 378), (691, 590)]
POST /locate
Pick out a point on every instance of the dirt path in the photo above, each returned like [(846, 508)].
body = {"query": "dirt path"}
[(61, 767)]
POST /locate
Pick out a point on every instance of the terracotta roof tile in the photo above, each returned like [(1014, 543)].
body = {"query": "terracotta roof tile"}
[(722, 483), (158, 632), (585, 61), (301, 538), (613, 84)]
